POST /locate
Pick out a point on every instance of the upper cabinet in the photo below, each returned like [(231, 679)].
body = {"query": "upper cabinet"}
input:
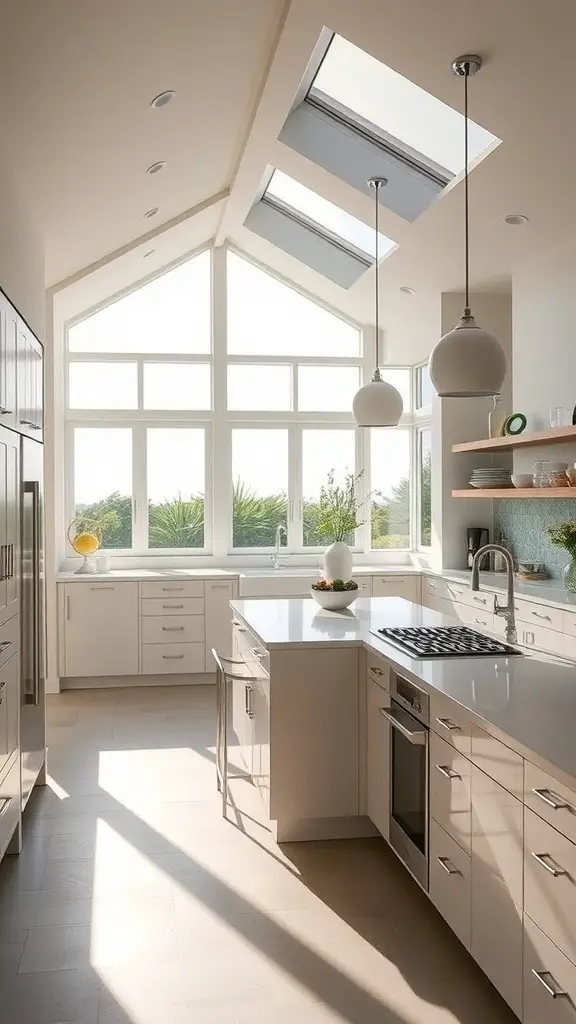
[(21, 374)]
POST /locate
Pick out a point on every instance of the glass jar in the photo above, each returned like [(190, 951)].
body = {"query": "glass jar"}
[(540, 475)]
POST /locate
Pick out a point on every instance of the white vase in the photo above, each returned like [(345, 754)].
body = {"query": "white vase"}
[(338, 561)]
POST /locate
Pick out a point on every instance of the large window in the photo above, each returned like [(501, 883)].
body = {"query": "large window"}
[(184, 440)]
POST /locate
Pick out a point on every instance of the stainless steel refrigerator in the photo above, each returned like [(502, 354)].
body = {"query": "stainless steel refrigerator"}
[(32, 616)]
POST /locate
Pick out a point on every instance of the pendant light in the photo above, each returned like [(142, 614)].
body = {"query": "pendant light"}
[(468, 362), (377, 404)]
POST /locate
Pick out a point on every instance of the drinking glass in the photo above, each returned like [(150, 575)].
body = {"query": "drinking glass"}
[(560, 417)]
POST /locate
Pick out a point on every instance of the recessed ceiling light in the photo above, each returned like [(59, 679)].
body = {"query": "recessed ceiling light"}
[(151, 213), (147, 253), (516, 219), (154, 168), (407, 289), (162, 99)]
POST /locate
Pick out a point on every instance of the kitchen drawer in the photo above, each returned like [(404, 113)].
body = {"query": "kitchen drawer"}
[(450, 790), (498, 761), (9, 638), (396, 586), (172, 629), (549, 980), (540, 637), (378, 670), (569, 624), (9, 709), (449, 881), (457, 591), (476, 618), (550, 799), (539, 614), (9, 804), (249, 649), (434, 588), (450, 721), (481, 600), (161, 659), (173, 588), (173, 606), (550, 882)]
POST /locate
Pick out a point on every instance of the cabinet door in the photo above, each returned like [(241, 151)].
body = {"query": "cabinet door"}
[(36, 387), (260, 710), (8, 528), (23, 397), (9, 412), (9, 709), (218, 595), (450, 790), (378, 758), (496, 890), (101, 629), (395, 586)]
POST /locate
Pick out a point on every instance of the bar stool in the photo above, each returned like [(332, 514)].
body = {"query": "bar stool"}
[(228, 672)]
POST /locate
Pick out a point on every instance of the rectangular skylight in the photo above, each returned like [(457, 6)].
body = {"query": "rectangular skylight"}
[(291, 195), (355, 83)]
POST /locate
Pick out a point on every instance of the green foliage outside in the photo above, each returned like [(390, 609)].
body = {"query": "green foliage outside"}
[(425, 500), (179, 523)]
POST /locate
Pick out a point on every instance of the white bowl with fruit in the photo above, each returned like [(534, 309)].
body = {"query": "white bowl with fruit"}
[(335, 595)]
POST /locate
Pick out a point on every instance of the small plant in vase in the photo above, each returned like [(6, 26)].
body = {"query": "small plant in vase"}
[(334, 594), (337, 520), (564, 536)]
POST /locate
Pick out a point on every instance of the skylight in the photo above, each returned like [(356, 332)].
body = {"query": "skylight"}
[(355, 83), (293, 196)]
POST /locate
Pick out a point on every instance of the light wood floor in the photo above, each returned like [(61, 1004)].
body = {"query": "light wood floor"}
[(133, 902)]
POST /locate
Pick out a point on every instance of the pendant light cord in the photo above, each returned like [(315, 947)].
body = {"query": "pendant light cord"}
[(377, 254), (466, 203)]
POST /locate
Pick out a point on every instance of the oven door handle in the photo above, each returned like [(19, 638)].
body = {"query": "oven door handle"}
[(417, 737)]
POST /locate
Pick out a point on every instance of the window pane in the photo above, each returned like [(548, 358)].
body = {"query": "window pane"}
[(267, 317), (103, 386), (400, 379), (103, 481), (260, 479), (424, 484), (169, 314), (176, 485), (327, 388), (323, 452), (335, 220), (177, 386), (424, 389), (395, 104), (390, 483), (267, 388)]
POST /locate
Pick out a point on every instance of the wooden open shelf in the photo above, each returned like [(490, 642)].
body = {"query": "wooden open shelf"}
[(556, 435), (517, 492)]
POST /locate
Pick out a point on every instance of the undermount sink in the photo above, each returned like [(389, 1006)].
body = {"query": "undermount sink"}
[(284, 570)]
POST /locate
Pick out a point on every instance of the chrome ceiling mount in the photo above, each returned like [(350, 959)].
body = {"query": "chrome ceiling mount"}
[(467, 65)]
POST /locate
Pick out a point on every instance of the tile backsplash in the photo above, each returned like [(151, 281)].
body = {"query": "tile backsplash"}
[(523, 524)]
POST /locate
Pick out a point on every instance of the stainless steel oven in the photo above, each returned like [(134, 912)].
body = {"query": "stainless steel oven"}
[(409, 717)]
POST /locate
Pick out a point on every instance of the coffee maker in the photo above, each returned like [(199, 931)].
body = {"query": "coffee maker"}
[(476, 537)]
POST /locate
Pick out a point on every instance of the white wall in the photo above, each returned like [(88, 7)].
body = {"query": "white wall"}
[(21, 257), (544, 319)]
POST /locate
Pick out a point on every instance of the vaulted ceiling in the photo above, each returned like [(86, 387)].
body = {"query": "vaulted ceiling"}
[(79, 131)]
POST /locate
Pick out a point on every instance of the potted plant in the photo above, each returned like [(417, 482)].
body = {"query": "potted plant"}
[(334, 594), (564, 536), (337, 519)]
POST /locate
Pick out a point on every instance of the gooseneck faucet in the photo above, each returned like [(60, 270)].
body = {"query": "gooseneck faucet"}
[(280, 532), (507, 610)]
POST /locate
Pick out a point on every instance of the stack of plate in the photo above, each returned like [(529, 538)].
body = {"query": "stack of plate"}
[(491, 478)]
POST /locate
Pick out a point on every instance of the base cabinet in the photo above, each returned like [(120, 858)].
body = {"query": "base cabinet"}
[(549, 980), (101, 629), (378, 758), (449, 881)]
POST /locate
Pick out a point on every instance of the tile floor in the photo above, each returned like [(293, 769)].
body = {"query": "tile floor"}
[(133, 902)]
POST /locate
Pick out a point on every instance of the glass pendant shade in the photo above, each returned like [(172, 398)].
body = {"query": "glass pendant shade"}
[(468, 362), (377, 404)]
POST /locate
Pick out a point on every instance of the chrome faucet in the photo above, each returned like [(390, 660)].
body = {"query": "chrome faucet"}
[(507, 610), (280, 530)]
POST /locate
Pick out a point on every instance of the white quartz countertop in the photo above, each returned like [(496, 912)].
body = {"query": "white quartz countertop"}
[(284, 572), (530, 698), (547, 591), (137, 575)]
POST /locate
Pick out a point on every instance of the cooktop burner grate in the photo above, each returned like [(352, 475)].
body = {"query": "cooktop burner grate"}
[(443, 642)]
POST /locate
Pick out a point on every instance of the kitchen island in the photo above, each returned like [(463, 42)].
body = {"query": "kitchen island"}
[(484, 788)]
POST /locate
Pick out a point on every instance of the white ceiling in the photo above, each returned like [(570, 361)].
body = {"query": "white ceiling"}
[(80, 78)]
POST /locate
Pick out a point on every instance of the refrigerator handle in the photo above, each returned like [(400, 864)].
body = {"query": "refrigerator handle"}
[(33, 487)]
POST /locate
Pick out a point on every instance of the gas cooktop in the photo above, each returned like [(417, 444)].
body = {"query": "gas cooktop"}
[(443, 642)]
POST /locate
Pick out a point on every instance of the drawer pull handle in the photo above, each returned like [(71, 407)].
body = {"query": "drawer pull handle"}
[(5, 805), (5, 645), (448, 866), (552, 800), (539, 615), (239, 626), (172, 657), (219, 586), (102, 588), (480, 600), (552, 987), (172, 629), (376, 671), (481, 622), (447, 723), (549, 864), (172, 590), (172, 605), (257, 653), (448, 772)]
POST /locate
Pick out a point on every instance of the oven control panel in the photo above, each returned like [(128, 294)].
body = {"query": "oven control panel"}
[(411, 697)]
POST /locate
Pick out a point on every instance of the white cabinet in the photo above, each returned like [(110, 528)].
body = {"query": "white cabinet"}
[(496, 887), (450, 790), (218, 594), (9, 709), (9, 525), (377, 757), (259, 707), (550, 882), (8, 337), (29, 383), (101, 629), (449, 881), (549, 980), (397, 586)]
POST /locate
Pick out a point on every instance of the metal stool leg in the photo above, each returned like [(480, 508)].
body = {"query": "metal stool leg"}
[(235, 670)]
